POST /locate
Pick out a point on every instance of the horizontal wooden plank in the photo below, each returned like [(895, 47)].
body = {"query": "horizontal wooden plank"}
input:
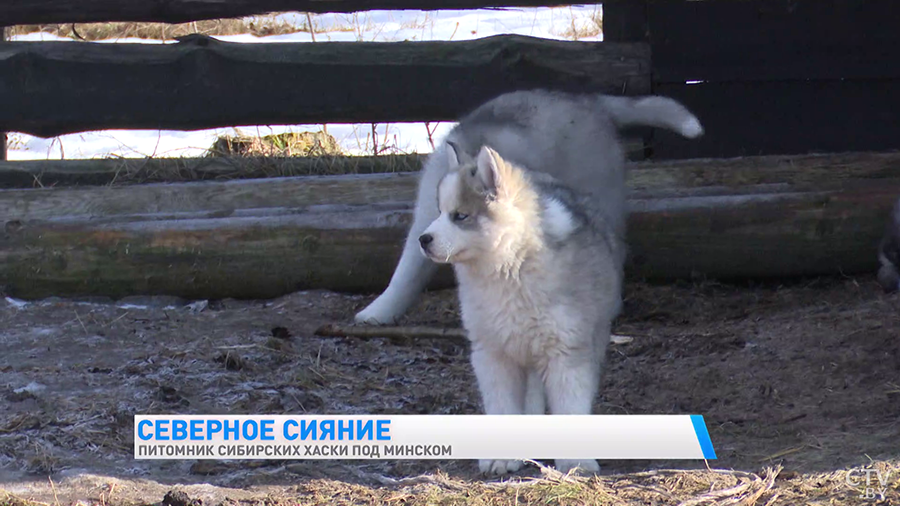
[(755, 217), (205, 257), (56, 173), (789, 117), (774, 40), (222, 198), (20, 12), (51, 88), (98, 172), (646, 180)]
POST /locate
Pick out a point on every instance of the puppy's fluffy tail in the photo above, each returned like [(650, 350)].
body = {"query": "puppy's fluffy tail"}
[(653, 111)]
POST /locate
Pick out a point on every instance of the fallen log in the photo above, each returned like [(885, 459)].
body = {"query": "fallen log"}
[(213, 240), (52, 88), (646, 180), (119, 171), (653, 175), (183, 11)]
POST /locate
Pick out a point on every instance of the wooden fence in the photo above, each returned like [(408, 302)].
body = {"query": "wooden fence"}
[(774, 81)]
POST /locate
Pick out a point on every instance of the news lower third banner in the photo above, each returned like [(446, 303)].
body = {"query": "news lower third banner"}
[(422, 437)]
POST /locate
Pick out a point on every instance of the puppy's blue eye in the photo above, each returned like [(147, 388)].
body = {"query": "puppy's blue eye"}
[(458, 216)]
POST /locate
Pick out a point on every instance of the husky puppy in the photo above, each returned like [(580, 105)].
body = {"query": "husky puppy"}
[(889, 253), (571, 137), (539, 276), (526, 199)]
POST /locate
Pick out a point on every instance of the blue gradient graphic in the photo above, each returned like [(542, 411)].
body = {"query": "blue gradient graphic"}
[(703, 437)]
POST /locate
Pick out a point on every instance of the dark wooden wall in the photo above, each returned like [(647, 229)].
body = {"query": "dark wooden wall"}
[(778, 76), (53, 88)]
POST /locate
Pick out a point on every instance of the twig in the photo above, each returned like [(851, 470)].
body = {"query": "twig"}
[(368, 332), (117, 319), (312, 30), (771, 474), (430, 132), (773, 499), (413, 480), (413, 332), (718, 494), (81, 322), (53, 487), (783, 453)]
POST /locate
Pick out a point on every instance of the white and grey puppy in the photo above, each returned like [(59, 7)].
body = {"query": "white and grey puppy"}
[(539, 277), (889, 253), (572, 137), (526, 198)]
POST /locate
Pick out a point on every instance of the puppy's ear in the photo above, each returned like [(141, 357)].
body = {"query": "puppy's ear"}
[(488, 168)]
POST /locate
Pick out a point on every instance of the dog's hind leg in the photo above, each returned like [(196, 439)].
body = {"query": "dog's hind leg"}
[(502, 385), (409, 280), (414, 270), (535, 399), (571, 383)]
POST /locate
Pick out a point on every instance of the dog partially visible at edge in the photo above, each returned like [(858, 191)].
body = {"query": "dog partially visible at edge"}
[(526, 199), (889, 253)]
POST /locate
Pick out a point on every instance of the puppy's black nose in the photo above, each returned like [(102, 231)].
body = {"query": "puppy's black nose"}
[(425, 240)]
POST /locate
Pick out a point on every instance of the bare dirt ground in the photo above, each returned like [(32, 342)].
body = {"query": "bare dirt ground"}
[(799, 383)]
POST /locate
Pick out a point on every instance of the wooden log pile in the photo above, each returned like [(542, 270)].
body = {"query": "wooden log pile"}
[(736, 218)]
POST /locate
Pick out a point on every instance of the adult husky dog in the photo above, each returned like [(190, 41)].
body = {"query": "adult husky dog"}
[(526, 198)]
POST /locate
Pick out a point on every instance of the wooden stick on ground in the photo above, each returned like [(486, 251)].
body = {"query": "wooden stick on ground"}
[(414, 332), (368, 332)]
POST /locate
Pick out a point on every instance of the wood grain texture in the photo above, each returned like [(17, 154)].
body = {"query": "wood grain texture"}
[(756, 217), (773, 40), (785, 117), (18, 12), (51, 88), (777, 76), (646, 180)]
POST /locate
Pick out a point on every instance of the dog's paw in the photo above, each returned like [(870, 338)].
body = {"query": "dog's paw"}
[(377, 313), (495, 467), (889, 278), (580, 466)]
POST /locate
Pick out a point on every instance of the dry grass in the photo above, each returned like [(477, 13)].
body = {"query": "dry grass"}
[(580, 27), (260, 27), (313, 144), (711, 487), (124, 171), (130, 171)]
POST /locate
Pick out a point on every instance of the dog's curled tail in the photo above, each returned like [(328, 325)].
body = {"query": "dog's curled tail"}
[(652, 111)]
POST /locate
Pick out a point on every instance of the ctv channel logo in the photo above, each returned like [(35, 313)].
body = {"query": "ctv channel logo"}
[(872, 484)]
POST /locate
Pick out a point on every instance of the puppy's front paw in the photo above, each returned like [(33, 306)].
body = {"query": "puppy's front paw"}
[(379, 312), (889, 278), (495, 467), (580, 466)]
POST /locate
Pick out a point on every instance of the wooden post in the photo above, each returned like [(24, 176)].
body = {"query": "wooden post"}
[(625, 21)]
